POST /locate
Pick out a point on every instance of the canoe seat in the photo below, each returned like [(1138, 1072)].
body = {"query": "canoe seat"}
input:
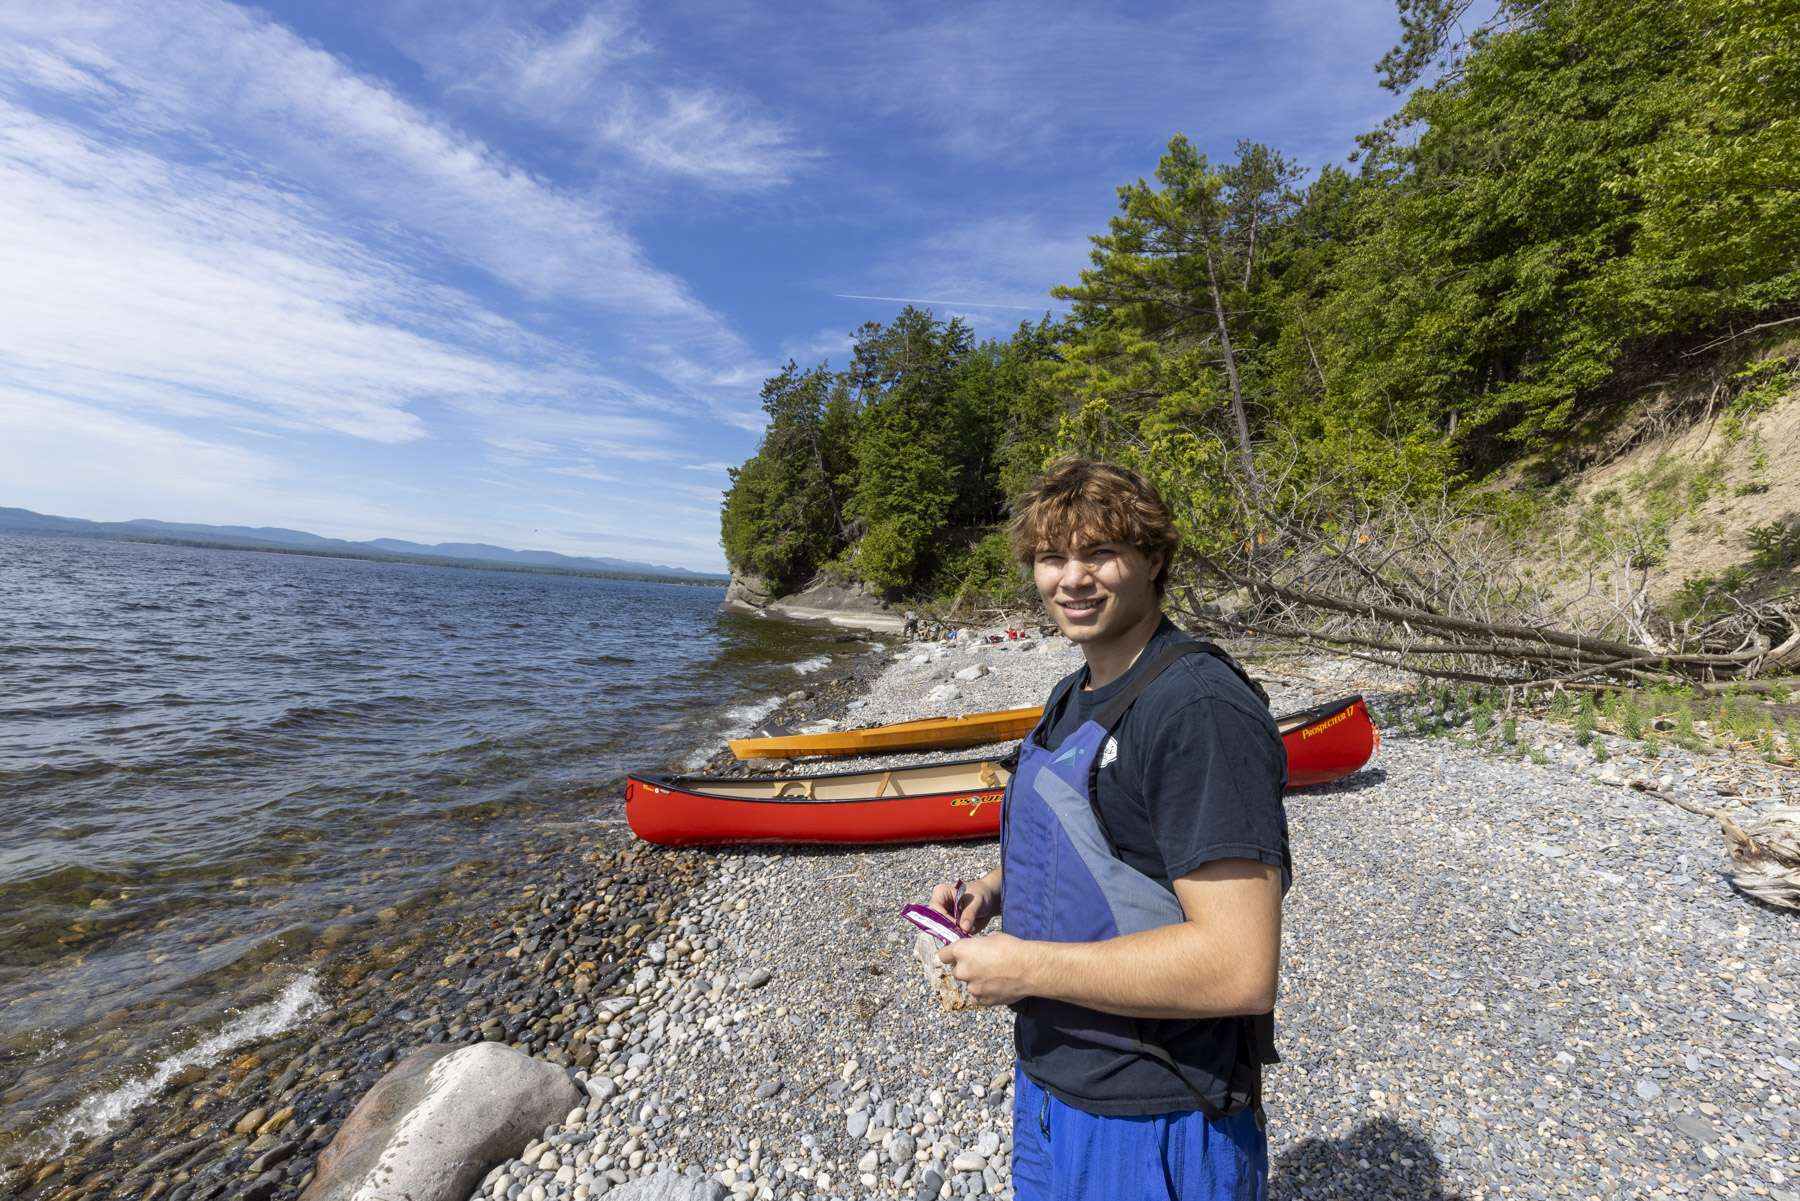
[(887, 782), (805, 788), (990, 775)]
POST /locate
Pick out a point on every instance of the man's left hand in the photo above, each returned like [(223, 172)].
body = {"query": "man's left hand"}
[(996, 968)]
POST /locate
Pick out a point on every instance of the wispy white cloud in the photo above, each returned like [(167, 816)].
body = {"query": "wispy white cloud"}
[(615, 543), (584, 472), (960, 304), (75, 459), (527, 433), (1018, 82), (68, 457), (599, 80), (703, 134), (536, 69), (1010, 80), (1009, 262), (834, 343), (252, 84), (135, 281)]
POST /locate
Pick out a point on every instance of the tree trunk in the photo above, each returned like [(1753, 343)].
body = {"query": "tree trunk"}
[(1324, 388), (1237, 390), (1250, 255), (837, 516)]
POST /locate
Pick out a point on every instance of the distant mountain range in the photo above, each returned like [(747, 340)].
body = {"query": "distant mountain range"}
[(275, 538)]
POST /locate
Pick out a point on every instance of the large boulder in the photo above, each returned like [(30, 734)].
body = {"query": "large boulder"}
[(842, 603), (437, 1121), (747, 591), (852, 604), (669, 1185)]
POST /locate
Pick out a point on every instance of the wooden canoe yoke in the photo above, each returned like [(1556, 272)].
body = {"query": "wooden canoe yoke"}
[(989, 775)]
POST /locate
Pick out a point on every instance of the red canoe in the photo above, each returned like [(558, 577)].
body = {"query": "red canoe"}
[(929, 802)]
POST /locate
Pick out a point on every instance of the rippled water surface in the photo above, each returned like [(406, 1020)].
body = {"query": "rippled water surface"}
[(212, 761)]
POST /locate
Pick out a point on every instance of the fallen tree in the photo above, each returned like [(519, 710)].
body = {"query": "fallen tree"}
[(1435, 589)]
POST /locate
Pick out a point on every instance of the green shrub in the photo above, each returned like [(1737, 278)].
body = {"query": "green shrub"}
[(1686, 736), (1586, 720), (886, 556), (1631, 718), (1760, 387), (981, 573), (1482, 716), (1775, 545)]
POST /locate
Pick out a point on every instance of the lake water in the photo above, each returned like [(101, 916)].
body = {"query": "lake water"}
[(213, 763)]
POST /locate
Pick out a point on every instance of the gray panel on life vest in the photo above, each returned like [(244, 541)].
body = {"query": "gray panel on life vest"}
[(1137, 901)]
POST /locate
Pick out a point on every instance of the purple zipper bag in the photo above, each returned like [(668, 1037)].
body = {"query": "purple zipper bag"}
[(933, 923)]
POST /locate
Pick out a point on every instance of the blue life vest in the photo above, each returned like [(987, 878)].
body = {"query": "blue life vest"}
[(1062, 881)]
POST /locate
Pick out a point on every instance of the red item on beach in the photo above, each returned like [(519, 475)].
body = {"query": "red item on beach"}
[(929, 802)]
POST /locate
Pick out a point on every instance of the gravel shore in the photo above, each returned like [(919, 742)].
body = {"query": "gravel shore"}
[(1501, 978)]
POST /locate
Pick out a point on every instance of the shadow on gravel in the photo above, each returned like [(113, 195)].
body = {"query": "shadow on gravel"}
[(1379, 1159), (1356, 781)]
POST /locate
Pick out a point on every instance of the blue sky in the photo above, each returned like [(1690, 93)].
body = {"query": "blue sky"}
[(514, 272)]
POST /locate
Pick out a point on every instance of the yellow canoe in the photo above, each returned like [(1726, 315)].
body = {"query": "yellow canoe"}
[(926, 734)]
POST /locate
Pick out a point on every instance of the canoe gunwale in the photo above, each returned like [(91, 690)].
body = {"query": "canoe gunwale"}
[(695, 785), (948, 730), (1316, 714)]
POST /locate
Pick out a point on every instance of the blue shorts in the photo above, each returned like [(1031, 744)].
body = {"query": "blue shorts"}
[(1063, 1154)]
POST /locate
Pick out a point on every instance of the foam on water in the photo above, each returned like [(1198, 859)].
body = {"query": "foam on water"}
[(99, 1112), (807, 666), (741, 719)]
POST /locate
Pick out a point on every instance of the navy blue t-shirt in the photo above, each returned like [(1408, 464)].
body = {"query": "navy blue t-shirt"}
[(1193, 773)]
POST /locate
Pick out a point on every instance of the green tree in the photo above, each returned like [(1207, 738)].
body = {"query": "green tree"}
[(906, 471), (782, 513), (1592, 177), (1174, 266)]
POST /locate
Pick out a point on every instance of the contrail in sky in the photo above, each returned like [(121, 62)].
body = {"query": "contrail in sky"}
[(967, 304)]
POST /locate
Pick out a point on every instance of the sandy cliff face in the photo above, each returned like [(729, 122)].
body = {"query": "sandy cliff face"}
[(1742, 485)]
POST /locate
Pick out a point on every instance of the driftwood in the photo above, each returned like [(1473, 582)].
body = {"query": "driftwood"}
[(1765, 851)]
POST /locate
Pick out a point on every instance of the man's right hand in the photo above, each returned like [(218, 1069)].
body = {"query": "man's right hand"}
[(980, 904)]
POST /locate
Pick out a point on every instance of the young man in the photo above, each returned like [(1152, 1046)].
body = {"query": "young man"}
[(1143, 860)]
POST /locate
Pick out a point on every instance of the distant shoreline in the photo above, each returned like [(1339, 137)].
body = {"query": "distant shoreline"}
[(378, 557)]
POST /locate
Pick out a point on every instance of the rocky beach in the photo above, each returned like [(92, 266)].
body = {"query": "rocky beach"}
[(1504, 975)]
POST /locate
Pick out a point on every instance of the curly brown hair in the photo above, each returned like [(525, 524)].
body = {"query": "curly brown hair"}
[(1080, 500)]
